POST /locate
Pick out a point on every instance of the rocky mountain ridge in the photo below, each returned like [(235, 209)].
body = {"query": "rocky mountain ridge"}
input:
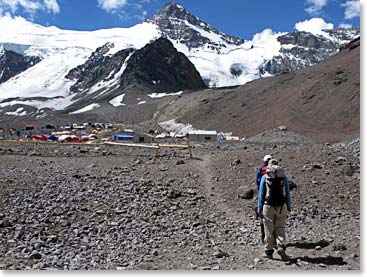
[(177, 24), (78, 65), (302, 49), (98, 68), (12, 63), (156, 68), (161, 68), (297, 49)]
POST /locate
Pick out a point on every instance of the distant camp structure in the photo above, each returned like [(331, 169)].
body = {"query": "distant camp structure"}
[(200, 135)]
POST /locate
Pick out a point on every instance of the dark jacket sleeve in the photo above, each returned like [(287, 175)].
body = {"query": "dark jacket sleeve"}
[(288, 193), (258, 178)]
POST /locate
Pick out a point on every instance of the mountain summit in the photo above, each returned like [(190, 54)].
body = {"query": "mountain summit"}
[(172, 9), (178, 24)]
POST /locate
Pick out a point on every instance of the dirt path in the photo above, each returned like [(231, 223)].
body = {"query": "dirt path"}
[(212, 191)]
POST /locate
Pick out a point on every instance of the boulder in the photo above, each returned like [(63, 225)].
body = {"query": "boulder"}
[(35, 256), (173, 194), (235, 162), (317, 166), (339, 247), (220, 254), (245, 193), (180, 162)]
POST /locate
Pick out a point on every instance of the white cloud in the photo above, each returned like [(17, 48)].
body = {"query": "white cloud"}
[(264, 36), (111, 5), (352, 9), (125, 9), (31, 7), (52, 6), (315, 6), (28, 5), (345, 25), (314, 26)]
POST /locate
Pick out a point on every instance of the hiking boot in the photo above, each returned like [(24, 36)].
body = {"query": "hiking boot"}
[(283, 255), (268, 255)]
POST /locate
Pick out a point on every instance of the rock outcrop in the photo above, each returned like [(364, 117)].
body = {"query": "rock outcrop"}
[(100, 67), (12, 63), (161, 68), (302, 49)]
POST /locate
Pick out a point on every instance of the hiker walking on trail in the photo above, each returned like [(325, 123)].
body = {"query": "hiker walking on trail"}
[(259, 173), (274, 202)]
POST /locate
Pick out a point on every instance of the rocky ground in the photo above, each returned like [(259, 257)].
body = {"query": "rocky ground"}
[(78, 207)]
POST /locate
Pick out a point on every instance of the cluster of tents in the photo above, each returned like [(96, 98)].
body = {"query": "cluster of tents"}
[(64, 137)]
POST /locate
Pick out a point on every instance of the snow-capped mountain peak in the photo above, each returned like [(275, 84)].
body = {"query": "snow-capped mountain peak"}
[(172, 9), (19, 31), (178, 24), (60, 51), (69, 66)]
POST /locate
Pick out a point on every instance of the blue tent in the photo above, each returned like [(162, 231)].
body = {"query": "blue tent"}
[(52, 138), (123, 137)]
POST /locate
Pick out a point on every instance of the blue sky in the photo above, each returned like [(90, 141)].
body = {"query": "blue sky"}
[(243, 18)]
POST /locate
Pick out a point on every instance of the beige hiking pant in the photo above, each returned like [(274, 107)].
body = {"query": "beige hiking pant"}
[(274, 224)]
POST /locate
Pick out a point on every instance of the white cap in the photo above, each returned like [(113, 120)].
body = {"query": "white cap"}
[(267, 158)]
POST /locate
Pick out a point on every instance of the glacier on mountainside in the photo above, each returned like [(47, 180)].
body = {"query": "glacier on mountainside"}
[(61, 51), (221, 60)]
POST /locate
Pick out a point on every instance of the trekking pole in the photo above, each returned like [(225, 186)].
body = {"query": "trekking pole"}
[(262, 229)]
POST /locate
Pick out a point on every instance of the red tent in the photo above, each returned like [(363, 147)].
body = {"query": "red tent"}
[(29, 127), (43, 137)]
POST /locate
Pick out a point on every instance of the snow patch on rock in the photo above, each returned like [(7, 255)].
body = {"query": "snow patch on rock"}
[(86, 108)]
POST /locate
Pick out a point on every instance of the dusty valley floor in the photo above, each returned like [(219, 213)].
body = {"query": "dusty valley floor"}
[(78, 207)]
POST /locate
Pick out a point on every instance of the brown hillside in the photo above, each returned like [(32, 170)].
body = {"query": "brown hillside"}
[(321, 102)]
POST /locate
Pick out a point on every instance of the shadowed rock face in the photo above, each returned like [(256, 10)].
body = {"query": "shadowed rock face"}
[(99, 67), (157, 67), (12, 63), (161, 68)]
